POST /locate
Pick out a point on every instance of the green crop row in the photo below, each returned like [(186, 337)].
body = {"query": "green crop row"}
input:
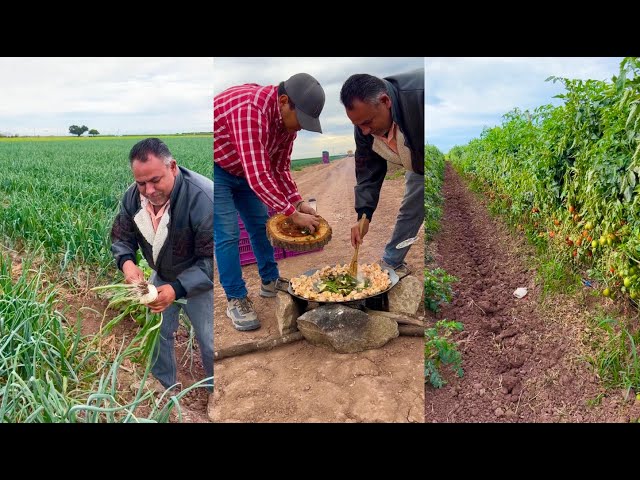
[(570, 175), (61, 197)]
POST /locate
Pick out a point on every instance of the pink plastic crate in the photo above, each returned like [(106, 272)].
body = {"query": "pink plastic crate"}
[(246, 253), (289, 253)]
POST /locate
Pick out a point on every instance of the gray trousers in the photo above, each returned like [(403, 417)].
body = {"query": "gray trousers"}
[(199, 310), (410, 217)]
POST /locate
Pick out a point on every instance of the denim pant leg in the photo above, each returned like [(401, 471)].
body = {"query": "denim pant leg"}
[(199, 309), (226, 233), (164, 364), (254, 216), (410, 217)]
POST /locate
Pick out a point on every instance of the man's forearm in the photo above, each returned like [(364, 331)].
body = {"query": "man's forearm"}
[(270, 195)]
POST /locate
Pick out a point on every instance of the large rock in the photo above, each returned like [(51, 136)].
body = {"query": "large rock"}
[(345, 329), (287, 311), (406, 296)]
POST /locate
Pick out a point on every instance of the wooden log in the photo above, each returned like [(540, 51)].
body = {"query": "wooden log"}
[(269, 343), (398, 318), (266, 344), (411, 331)]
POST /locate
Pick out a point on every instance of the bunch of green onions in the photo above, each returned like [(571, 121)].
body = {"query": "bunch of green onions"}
[(135, 295)]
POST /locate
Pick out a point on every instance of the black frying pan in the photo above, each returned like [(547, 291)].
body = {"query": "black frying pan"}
[(393, 276)]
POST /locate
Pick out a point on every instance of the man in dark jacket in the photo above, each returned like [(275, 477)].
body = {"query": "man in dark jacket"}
[(388, 115), (168, 214)]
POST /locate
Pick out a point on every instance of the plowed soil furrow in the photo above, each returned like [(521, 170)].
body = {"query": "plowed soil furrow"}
[(521, 357)]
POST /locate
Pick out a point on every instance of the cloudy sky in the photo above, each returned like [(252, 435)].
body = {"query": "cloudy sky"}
[(463, 95), (44, 96), (337, 136)]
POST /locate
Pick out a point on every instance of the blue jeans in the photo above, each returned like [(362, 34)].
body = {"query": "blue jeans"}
[(410, 217), (232, 196), (199, 309)]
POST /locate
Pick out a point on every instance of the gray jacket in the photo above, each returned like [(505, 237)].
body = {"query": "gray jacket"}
[(181, 251), (407, 109)]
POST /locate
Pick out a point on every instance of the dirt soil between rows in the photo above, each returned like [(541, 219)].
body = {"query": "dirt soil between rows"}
[(523, 359), (300, 382)]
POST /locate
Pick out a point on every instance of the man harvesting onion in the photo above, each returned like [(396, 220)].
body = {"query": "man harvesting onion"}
[(168, 215)]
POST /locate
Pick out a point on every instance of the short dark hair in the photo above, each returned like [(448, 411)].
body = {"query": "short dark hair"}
[(362, 87), (143, 148), (282, 91)]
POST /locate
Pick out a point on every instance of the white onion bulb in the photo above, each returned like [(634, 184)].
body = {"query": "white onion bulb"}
[(150, 296)]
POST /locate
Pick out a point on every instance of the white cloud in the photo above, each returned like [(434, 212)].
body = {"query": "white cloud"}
[(331, 72), (126, 95), (44, 95), (463, 95)]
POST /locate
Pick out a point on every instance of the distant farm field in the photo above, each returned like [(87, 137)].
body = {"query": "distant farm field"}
[(70, 138), (60, 195), (300, 163)]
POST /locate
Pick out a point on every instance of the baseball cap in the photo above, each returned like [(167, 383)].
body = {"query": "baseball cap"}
[(308, 97)]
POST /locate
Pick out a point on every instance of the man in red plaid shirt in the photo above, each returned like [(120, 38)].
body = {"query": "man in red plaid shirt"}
[(254, 128)]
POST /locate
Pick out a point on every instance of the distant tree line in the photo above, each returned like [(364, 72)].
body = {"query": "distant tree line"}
[(76, 130)]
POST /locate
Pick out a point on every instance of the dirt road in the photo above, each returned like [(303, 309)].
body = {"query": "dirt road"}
[(303, 383)]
